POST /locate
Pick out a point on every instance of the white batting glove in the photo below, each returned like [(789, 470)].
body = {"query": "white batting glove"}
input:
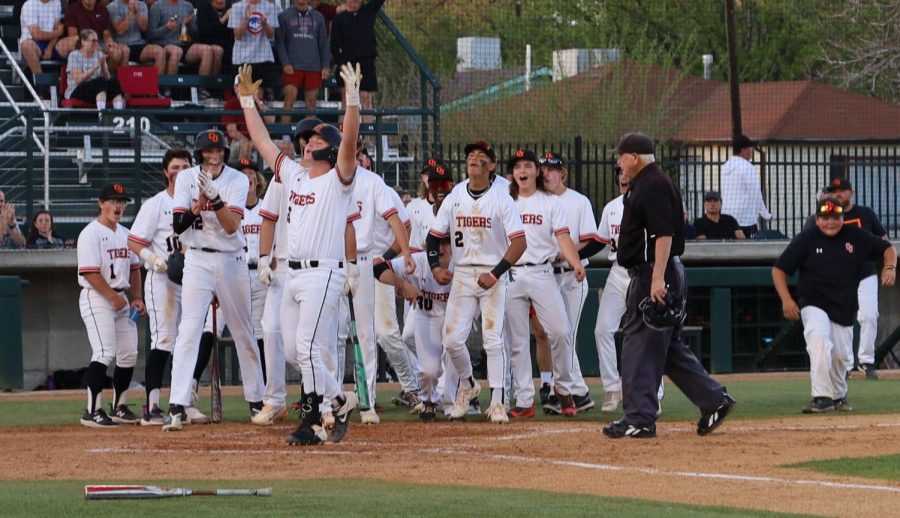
[(157, 263), (264, 270), (352, 277), (207, 186), (352, 78)]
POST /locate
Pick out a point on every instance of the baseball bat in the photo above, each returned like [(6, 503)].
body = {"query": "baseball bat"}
[(134, 491), (216, 379), (359, 369)]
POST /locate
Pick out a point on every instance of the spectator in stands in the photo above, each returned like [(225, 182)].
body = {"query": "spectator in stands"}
[(353, 41), (254, 23), (714, 224), (236, 126), (363, 158), (88, 14), (89, 78), (303, 53), (42, 233), (129, 21), (169, 21), (10, 235), (42, 29), (329, 11), (741, 191), (212, 22)]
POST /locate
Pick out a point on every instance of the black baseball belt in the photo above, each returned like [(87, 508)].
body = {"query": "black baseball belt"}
[(315, 263)]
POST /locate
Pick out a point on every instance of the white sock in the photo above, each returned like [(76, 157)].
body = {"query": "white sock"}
[(546, 377), (153, 399), (496, 396)]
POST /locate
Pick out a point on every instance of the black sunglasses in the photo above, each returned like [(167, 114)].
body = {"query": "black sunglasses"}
[(551, 161)]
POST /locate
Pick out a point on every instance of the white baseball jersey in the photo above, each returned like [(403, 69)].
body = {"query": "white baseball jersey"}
[(105, 251), (372, 197), (610, 223), (275, 201), (479, 230), (384, 236), (318, 210), (542, 219), (251, 226), (579, 217), (421, 217), (206, 232), (433, 301), (153, 226)]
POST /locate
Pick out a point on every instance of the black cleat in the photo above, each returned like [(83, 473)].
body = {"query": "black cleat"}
[(711, 421), (619, 429), (307, 435), (819, 405)]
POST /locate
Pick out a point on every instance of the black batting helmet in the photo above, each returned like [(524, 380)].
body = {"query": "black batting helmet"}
[(303, 127), (210, 139), (331, 135)]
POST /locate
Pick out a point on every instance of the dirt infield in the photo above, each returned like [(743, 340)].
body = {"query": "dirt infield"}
[(739, 466)]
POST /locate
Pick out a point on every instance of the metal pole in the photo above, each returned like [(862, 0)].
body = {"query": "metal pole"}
[(527, 68), (733, 80)]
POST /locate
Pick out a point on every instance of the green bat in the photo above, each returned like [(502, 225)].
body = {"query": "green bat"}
[(359, 370)]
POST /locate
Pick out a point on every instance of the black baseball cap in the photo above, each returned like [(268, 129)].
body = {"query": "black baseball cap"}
[(114, 191), (712, 195), (440, 173), (741, 142), (522, 154), (431, 164), (635, 143), (551, 159), (830, 206), (483, 146), (245, 163), (837, 184)]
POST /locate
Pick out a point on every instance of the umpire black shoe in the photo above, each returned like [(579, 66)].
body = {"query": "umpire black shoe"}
[(619, 429), (819, 405), (712, 420)]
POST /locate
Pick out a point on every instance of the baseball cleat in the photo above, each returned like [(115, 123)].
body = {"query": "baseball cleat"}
[(611, 401), (583, 403), (619, 429), (463, 398), (711, 421), (819, 405), (174, 419), (194, 416), (327, 419), (545, 393), (474, 407), (307, 435), (870, 370), (427, 415), (369, 416), (552, 407), (123, 415), (522, 412), (269, 414), (497, 414), (566, 405), (842, 405), (155, 416), (98, 419)]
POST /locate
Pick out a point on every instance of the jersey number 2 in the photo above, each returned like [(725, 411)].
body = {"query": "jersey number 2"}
[(458, 241)]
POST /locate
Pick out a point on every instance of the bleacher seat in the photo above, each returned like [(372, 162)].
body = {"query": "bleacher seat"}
[(70, 103), (140, 85)]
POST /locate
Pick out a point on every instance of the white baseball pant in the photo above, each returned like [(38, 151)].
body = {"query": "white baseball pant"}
[(273, 343), (112, 335), (867, 316), (448, 383), (536, 285), (826, 344), (429, 349), (225, 275), (258, 292), (387, 334), (408, 334), (309, 316), (163, 301), (466, 299), (574, 294), (609, 319)]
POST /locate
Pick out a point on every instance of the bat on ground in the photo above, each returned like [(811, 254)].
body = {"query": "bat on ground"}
[(130, 492), (216, 379), (359, 369)]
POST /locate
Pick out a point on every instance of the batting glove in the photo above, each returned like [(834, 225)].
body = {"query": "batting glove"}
[(264, 270), (352, 277), (352, 78), (207, 186), (157, 263), (246, 87)]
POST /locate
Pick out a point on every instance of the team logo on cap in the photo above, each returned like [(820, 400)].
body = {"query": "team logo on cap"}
[(837, 182), (432, 162), (118, 188), (520, 153), (213, 136), (848, 247), (440, 170)]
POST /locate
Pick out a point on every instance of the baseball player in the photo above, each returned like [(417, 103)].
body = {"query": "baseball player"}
[(532, 282), (487, 238), (109, 276), (831, 258), (320, 241), (208, 207)]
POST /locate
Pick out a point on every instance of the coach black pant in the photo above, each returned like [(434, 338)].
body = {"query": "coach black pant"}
[(647, 354)]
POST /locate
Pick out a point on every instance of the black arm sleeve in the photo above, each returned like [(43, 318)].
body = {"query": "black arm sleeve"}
[(592, 247), (433, 248), (182, 221), (380, 268)]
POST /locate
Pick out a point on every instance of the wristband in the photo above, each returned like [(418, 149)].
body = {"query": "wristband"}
[(146, 254), (248, 102), (501, 268), (390, 254), (353, 98), (218, 203)]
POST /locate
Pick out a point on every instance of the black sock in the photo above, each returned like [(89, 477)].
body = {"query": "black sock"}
[(262, 358), (206, 345), (156, 367), (94, 379), (472, 382), (310, 413), (121, 381)]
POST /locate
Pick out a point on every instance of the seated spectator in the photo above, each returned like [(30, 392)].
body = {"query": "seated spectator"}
[(714, 224), (10, 235), (303, 52), (236, 126), (88, 76), (129, 22), (88, 14), (212, 24), (169, 20), (42, 28), (254, 23), (42, 233)]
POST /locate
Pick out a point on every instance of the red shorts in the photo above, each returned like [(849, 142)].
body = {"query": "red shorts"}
[(303, 79)]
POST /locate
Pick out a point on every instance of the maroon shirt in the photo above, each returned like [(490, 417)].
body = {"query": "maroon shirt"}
[(328, 12), (80, 19)]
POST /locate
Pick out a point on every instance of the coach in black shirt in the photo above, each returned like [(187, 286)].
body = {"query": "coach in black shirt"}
[(650, 241), (714, 224)]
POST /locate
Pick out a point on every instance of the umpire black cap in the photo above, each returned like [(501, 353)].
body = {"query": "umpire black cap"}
[(114, 191), (520, 155), (635, 143)]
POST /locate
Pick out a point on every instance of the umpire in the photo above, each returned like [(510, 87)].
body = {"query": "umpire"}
[(650, 242)]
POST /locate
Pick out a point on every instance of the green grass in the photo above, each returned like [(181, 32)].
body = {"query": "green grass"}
[(884, 467), (756, 400), (333, 497)]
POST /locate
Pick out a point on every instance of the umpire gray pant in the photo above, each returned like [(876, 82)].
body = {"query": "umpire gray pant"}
[(647, 354)]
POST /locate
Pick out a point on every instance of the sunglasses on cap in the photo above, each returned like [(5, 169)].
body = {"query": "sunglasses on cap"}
[(830, 208), (552, 161)]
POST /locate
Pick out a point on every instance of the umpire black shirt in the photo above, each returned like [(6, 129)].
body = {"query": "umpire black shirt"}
[(652, 209)]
